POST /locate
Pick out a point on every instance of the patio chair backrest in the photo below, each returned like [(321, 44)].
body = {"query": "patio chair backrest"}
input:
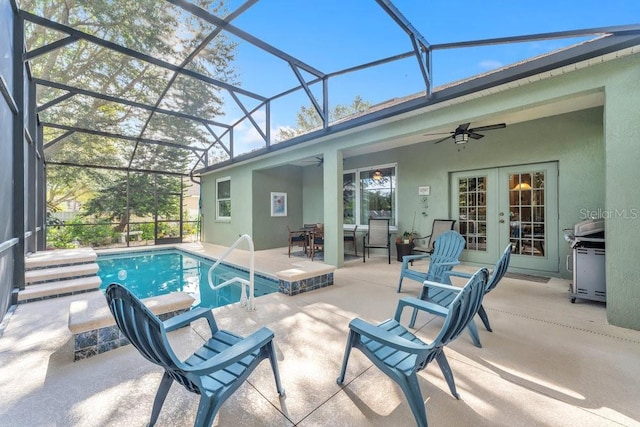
[(500, 269), (378, 231), (448, 247), (463, 308), (144, 331)]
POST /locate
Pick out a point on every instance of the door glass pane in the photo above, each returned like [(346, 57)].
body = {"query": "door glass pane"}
[(527, 213), (472, 212)]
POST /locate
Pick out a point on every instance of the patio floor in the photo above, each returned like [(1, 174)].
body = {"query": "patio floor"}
[(547, 363)]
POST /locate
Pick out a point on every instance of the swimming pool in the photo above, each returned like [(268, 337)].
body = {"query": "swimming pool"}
[(159, 272)]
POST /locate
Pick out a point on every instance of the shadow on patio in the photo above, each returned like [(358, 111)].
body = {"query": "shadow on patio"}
[(548, 362)]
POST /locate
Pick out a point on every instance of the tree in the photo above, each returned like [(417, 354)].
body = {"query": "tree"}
[(146, 193), (165, 32), (308, 119)]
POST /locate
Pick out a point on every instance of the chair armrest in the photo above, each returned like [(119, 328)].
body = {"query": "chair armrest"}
[(236, 352), (450, 288), (384, 337), (447, 274), (188, 317), (419, 304), (408, 258)]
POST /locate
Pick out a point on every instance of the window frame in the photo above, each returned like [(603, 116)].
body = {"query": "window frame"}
[(358, 172), (223, 199)]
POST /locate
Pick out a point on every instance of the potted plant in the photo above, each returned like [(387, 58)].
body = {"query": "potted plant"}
[(407, 237)]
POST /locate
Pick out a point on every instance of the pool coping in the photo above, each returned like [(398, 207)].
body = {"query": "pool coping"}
[(303, 277)]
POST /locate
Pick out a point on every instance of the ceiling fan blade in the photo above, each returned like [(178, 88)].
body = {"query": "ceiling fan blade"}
[(489, 127), (474, 135), (443, 139), (437, 133), (463, 127)]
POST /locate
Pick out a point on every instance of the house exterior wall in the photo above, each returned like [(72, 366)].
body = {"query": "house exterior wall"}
[(268, 231), (622, 206), (595, 149)]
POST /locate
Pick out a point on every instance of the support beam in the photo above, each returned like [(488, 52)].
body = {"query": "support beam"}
[(50, 47), (75, 90), (212, 19), (321, 112), (118, 136), (18, 202), (420, 44), (134, 54)]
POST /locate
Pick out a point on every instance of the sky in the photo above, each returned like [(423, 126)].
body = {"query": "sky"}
[(332, 35)]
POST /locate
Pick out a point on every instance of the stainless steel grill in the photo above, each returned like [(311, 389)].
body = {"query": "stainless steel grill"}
[(587, 260)]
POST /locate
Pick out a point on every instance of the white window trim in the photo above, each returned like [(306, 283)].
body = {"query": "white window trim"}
[(357, 172), (218, 216)]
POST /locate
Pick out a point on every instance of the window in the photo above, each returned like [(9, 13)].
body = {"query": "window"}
[(369, 194), (223, 199)]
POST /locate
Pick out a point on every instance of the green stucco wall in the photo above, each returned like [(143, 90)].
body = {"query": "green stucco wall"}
[(268, 231), (622, 208), (595, 149)]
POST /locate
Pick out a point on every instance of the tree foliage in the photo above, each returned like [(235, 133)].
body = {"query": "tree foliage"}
[(308, 119), (162, 31)]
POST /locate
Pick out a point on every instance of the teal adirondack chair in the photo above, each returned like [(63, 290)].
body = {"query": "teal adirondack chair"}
[(401, 355), (214, 371), (447, 249), (443, 297)]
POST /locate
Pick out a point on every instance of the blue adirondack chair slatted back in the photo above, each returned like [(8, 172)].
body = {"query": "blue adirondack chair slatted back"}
[(499, 270), (400, 354), (463, 307), (447, 250), (143, 329), (214, 382), (443, 297)]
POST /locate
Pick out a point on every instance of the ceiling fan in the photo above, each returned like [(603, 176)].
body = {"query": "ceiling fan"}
[(462, 133), (318, 160)]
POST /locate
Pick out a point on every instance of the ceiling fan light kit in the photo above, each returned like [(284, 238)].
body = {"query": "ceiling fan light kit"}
[(462, 133), (461, 138)]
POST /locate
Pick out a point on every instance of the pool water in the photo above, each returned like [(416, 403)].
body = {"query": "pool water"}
[(160, 272)]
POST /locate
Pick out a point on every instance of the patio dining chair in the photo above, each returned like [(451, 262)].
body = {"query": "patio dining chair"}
[(401, 355), (443, 296), (350, 237), (316, 240), (448, 247), (377, 236), (297, 238), (214, 371), (425, 243)]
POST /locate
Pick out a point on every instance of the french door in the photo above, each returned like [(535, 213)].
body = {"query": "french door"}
[(515, 206)]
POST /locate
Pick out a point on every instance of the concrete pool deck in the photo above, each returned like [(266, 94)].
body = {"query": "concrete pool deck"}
[(547, 363)]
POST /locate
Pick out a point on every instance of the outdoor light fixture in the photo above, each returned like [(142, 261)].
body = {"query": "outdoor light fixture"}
[(461, 138), (377, 175)]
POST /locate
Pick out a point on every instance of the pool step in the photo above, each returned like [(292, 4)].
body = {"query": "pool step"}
[(59, 288), (55, 273), (60, 257), (58, 273)]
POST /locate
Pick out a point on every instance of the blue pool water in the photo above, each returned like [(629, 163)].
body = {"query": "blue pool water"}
[(159, 272)]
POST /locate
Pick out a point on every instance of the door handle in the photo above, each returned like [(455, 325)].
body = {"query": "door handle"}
[(501, 221)]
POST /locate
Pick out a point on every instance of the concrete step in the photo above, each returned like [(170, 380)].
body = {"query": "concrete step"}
[(60, 288), (53, 273), (60, 257)]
